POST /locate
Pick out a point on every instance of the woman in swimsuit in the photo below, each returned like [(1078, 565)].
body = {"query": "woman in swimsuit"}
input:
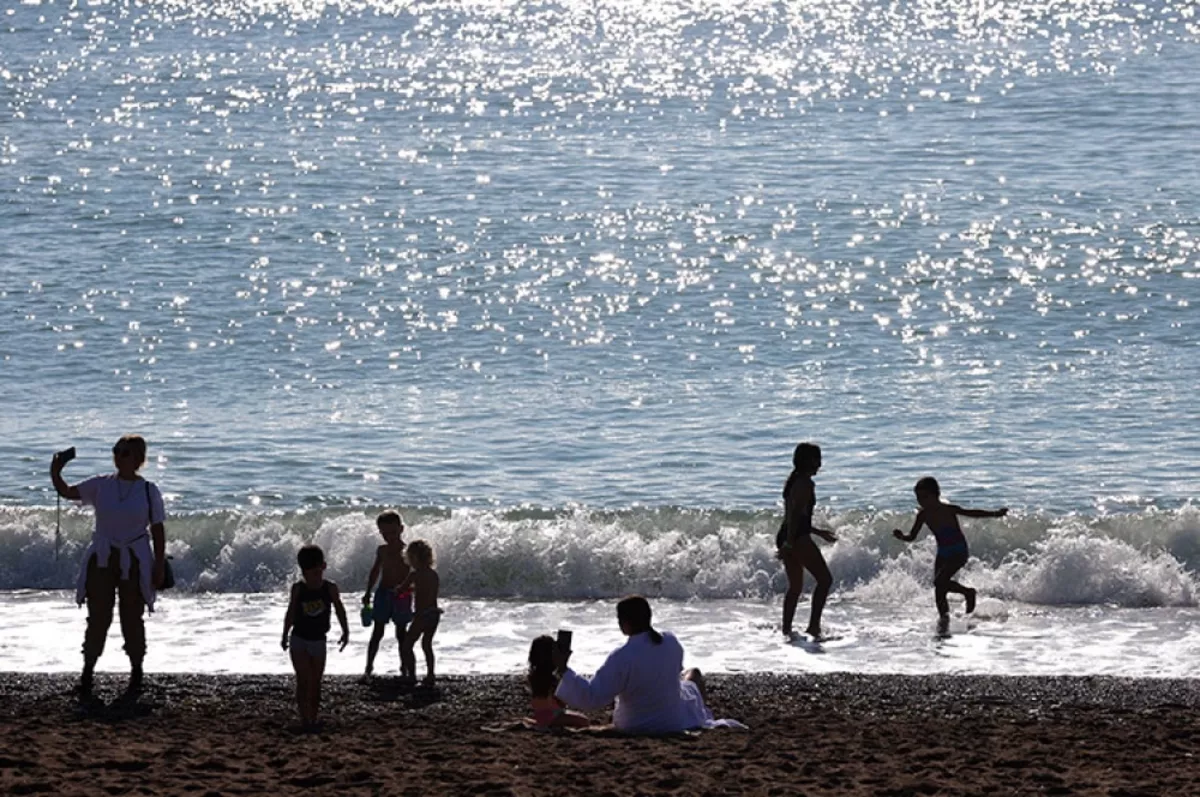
[(797, 549)]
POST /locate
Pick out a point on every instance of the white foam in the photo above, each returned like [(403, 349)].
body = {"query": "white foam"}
[(239, 633), (1134, 560)]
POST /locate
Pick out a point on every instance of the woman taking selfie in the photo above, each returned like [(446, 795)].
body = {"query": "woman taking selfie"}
[(119, 565)]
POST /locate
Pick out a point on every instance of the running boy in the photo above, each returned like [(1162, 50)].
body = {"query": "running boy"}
[(952, 552), (424, 583), (305, 627), (391, 569)]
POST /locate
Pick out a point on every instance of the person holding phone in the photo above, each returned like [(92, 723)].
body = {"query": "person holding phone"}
[(126, 559), (644, 678)]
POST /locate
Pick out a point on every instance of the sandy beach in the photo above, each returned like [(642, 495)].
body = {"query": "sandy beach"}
[(208, 735)]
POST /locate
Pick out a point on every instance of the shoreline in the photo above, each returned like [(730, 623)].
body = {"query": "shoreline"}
[(941, 734)]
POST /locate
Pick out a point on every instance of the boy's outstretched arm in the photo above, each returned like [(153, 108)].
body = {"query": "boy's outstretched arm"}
[(290, 618), (912, 534), (374, 574), (960, 510), (336, 597)]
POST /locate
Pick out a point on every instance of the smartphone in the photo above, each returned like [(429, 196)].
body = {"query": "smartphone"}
[(563, 640), (65, 456)]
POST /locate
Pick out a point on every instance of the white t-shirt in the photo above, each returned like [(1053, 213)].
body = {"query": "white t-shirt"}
[(124, 513)]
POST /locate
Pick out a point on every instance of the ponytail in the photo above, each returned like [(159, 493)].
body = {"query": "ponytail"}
[(655, 637)]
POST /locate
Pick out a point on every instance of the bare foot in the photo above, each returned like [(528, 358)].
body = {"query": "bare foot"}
[(970, 600)]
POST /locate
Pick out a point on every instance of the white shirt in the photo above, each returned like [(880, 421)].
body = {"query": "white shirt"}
[(124, 513), (644, 680)]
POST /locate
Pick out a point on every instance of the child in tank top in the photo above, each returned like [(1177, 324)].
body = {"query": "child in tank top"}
[(312, 601)]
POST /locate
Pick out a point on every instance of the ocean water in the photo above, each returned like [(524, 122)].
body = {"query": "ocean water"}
[(566, 282)]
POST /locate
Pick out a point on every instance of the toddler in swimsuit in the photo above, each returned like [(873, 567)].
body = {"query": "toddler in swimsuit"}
[(548, 710), (952, 552), (423, 581)]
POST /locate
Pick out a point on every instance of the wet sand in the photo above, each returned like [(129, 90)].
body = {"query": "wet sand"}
[(833, 734)]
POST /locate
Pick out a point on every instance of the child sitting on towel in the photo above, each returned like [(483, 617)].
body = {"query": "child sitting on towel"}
[(548, 710)]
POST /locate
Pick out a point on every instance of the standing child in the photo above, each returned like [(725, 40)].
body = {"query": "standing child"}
[(424, 583), (304, 630), (548, 710), (952, 552), (391, 569)]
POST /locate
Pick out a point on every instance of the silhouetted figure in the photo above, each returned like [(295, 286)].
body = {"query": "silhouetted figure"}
[(548, 710), (390, 605), (120, 565), (797, 549), (313, 599), (952, 552), (642, 677), (424, 583)]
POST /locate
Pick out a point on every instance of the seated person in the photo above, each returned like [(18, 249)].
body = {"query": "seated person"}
[(643, 677), (548, 710)]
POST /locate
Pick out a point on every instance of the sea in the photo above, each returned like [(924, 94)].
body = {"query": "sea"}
[(565, 282)]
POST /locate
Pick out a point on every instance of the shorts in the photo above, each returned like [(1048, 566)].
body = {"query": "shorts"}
[(310, 647), (947, 564), (386, 608), (428, 619)]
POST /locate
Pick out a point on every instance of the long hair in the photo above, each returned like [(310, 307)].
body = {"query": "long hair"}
[(634, 613), (803, 459), (542, 680)]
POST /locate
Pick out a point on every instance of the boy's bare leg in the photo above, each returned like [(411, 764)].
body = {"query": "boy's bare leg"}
[(317, 670), (401, 632), (300, 665), (377, 632), (408, 657), (943, 606), (943, 587)]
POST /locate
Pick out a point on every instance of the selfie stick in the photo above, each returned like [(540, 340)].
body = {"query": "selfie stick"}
[(57, 524)]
